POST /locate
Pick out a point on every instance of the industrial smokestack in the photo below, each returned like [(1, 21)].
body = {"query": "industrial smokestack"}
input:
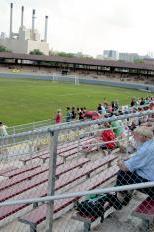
[(22, 16), (11, 19), (33, 21), (46, 29)]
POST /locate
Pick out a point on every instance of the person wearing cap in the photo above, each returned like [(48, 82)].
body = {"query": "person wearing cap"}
[(139, 168)]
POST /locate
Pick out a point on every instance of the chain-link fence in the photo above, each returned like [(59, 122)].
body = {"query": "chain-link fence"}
[(67, 178), (51, 122)]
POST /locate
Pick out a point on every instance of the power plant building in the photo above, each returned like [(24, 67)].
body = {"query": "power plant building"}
[(26, 40)]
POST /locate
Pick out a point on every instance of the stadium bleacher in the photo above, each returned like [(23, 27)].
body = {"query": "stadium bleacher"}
[(39, 214), (74, 172), (27, 178)]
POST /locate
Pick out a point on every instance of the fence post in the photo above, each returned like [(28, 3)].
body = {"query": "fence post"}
[(53, 142), (78, 138), (128, 135), (33, 126), (30, 150), (14, 132)]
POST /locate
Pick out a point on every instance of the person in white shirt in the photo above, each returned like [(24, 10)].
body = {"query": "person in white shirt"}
[(3, 131), (103, 110)]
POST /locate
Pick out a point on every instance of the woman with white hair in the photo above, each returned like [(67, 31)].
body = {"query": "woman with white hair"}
[(137, 169)]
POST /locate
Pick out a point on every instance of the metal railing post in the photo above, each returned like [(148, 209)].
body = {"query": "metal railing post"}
[(128, 135), (31, 149), (78, 138), (52, 177), (14, 131), (33, 126)]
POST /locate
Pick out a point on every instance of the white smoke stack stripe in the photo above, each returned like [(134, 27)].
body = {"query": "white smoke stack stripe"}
[(22, 16), (46, 29), (11, 19)]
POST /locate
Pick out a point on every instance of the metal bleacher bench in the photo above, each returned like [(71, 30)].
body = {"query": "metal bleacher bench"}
[(32, 157), (38, 215), (145, 211), (13, 173), (66, 150), (32, 179), (5, 194), (8, 169), (65, 179)]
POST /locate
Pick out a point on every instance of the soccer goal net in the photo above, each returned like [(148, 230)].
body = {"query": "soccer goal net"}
[(74, 79)]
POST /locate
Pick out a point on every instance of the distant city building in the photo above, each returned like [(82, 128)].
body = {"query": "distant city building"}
[(100, 57), (129, 57), (110, 54), (125, 56), (3, 35), (26, 40), (148, 61), (79, 54)]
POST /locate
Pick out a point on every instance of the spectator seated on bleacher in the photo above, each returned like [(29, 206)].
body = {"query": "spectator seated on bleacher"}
[(125, 109), (107, 136), (118, 127), (137, 169), (151, 117), (151, 106), (132, 126)]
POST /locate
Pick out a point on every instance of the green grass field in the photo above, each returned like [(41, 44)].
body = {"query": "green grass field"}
[(25, 101)]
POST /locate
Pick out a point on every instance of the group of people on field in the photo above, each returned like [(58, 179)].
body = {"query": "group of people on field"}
[(113, 108), (72, 113)]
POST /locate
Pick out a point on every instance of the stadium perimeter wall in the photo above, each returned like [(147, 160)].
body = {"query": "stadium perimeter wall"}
[(37, 76)]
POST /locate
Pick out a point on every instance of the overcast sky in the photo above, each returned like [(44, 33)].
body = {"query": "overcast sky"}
[(88, 26)]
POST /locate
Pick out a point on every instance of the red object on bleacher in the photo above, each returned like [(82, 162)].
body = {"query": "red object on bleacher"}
[(108, 135), (146, 207), (93, 115), (90, 218)]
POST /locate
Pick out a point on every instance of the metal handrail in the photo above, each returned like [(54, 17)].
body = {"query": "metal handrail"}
[(78, 194), (68, 126), (35, 125)]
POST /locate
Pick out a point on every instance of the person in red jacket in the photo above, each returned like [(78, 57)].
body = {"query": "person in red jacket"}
[(108, 135), (58, 118)]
